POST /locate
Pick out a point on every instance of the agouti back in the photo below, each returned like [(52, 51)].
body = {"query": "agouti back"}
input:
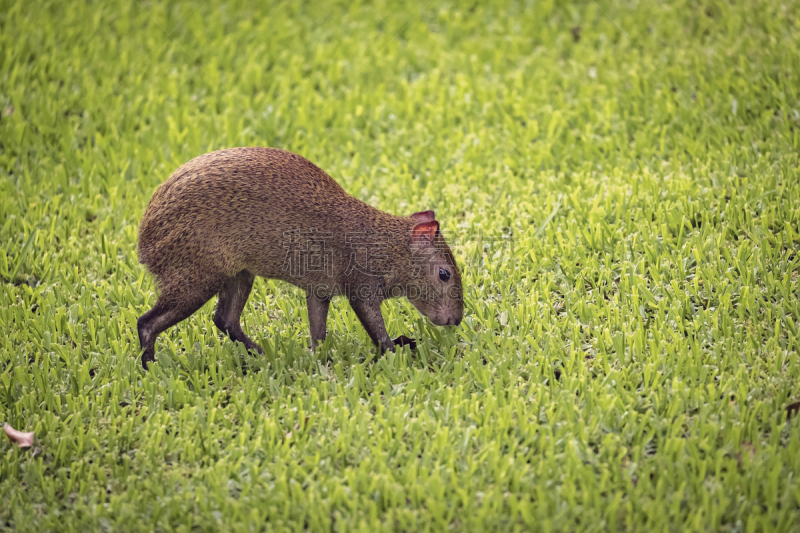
[(225, 217)]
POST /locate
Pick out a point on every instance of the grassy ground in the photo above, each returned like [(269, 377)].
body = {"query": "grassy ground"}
[(622, 181)]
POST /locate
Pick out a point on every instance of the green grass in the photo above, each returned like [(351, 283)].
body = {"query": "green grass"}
[(626, 206)]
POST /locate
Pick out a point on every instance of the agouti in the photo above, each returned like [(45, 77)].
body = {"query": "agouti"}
[(228, 216)]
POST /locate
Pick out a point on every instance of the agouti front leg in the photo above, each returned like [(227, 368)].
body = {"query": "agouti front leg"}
[(317, 318), (369, 313)]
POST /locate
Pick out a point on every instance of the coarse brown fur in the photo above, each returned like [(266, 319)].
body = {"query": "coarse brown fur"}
[(225, 217)]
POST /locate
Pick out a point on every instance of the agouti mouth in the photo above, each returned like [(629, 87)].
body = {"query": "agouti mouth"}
[(451, 321)]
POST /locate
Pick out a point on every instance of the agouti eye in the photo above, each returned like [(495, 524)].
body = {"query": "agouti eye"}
[(444, 275)]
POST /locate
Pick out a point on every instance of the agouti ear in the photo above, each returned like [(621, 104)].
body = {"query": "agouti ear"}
[(423, 234), (424, 216)]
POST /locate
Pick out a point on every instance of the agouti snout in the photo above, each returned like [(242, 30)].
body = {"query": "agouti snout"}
[(228, 216)]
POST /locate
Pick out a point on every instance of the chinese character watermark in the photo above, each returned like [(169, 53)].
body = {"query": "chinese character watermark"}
[(306, 252)]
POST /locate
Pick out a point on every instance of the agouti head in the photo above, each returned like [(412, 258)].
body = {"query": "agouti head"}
[(435, 285)]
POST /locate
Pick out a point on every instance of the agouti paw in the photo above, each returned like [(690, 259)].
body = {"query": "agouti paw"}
[(402, 340)]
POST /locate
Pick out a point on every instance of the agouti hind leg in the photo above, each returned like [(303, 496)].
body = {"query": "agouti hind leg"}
[(171, 307), (232, 299)]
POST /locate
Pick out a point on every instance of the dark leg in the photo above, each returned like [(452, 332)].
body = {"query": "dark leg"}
[(232, 298), (369, 313), (171, 308), (317, 318)]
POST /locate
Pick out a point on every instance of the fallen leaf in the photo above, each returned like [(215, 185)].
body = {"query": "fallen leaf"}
[(297, 425), (746, 446), (23, 440), (792, 410)]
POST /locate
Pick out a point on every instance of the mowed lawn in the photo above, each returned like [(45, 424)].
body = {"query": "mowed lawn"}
[(621, 183)]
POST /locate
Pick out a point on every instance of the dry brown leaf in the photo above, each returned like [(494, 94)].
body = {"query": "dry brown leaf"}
[(746, 447), (305, 424), (23, 440)]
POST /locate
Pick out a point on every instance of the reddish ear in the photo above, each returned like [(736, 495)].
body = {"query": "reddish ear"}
[(424, 216), (423, 233)]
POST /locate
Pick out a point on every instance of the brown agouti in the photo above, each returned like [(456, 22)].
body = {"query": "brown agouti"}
[(228, 216)]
